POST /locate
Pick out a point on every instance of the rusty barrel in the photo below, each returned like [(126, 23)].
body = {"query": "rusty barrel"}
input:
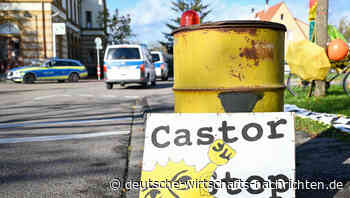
[(229, 66)]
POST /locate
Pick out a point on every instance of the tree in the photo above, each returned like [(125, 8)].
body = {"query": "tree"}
[(344, 28), (118, 26), (180, 6), (321, 39), (156, 47)]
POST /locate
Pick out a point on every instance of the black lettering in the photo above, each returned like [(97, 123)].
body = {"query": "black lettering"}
[(273, 125), (154, 136), (257, 179), (186, 136), (230, 184), (213, 189), (252, 125), (224, 129), (276, 182), (219, 148), (225, 156), (201, 134)]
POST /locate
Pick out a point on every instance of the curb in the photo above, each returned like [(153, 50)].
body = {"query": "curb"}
[(135, 149), (136, 145)]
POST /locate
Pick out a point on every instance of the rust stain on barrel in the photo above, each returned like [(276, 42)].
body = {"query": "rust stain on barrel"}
[(251, 31), (258, 51), (250, 53)]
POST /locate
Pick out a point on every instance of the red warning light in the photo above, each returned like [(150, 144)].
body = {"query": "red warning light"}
[(312, 3), (190, 17)]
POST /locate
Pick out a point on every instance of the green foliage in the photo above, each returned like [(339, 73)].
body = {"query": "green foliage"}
[(179, 7), (336, 101), (318, 129), (118, 25), (156, 47), (333, 33), (344, 28), (310, 126)]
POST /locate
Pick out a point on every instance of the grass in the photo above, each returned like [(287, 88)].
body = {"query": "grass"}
[(318, 129), (336, 102)]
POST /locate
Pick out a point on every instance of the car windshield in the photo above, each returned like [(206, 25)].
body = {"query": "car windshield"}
[(155, 57), (123, 53), (46, 64)]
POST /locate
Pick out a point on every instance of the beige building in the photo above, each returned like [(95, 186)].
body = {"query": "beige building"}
[(280, 13), (27, 30)]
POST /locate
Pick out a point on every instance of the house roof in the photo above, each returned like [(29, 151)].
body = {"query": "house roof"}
[(267, 16)]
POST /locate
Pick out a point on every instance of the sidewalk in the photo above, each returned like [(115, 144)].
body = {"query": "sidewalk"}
[(318, 159)]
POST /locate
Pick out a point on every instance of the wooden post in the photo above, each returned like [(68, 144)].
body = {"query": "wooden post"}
[(321, 39)]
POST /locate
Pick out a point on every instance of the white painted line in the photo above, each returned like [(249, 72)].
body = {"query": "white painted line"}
[(44, 97), (86, 95), (132, 97), (60, 137), (51, 96)]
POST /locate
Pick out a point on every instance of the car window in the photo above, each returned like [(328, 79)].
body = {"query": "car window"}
[(75, 64), (59, 63), (123, 53), (71, 63), (155, 57)]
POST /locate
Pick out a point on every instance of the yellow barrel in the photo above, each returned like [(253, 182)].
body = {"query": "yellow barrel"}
[(229, 66)]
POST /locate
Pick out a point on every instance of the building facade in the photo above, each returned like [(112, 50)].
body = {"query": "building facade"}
[(280, 13), (28, 30)]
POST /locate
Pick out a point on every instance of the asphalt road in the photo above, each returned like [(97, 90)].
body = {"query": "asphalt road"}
[(71, 140), (66, 139)]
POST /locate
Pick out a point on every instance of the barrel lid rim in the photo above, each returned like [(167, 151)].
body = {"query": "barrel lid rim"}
[(233, 24)]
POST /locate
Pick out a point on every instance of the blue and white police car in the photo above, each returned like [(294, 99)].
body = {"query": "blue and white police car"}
[(53, 69), (126, 63), (160, 64)]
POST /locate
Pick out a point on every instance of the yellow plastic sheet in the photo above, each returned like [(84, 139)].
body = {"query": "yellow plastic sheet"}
[(308, 60)]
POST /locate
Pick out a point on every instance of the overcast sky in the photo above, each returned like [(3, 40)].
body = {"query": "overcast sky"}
[(148, 17)]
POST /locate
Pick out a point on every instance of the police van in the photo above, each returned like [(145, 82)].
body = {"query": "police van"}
[(160, 64), (124, 64)]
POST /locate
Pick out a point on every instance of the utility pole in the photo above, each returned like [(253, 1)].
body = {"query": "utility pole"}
[(321, 39)]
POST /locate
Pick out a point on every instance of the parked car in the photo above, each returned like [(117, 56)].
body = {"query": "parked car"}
[(162, 70), (125, 64), (53, 69)]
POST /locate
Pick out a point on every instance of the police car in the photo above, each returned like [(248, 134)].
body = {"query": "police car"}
[(53, 69), (160, 64), (128, 63)]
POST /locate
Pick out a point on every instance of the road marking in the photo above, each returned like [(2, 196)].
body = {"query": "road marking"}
[(51, 96), (132, 97), (86, 95), (4, 126), (60, 137)]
